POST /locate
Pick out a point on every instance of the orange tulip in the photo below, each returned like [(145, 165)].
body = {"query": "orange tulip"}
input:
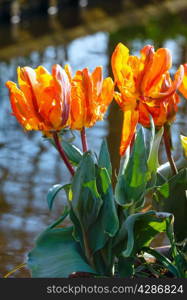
[(43, 100), (146, 88), (50, 102), (90, 97), (183, 87)]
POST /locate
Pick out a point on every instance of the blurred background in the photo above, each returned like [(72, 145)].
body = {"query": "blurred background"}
[(82, 33)]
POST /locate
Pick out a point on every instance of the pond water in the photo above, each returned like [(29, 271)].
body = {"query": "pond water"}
[(29, 165)]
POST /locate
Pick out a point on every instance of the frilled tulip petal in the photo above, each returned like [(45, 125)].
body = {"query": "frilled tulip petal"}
[(178, 78), (106, 97), (77, 102), (184, 143), (160, 64), (22, 111), (97, 79), (129, 127), (145, 62), (183, 86)]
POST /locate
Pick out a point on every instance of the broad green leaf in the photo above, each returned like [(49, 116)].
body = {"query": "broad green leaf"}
[(106, 224), (120, 240), (142, 228), (153, 156), (173, 198), (53, 191), (86, 201), (57, 254), (77, 230), (131, 185), (104, 158), (72, 152)]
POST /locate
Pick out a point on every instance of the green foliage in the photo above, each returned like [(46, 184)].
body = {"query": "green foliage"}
[(131, 184), (104, 158), (172, 197), (142, 228), (57, 254), (102, 229), (109, 231), (86, 201), (152, 162)]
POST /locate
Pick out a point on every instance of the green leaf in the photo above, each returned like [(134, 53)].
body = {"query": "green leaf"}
[(142, 228), (86, 201), (104, 158), (173, 198), (107, 222), (164, 190), (152, 162), (72, 152), (131, 185), (53, 191), (57, 254)]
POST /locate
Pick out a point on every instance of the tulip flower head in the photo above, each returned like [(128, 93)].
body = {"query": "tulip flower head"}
[(42, 101), (90, 97), (146, 88)]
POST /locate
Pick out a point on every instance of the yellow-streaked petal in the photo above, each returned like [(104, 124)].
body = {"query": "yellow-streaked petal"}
[(183, 86), (129, 127), (119, 60), (184, 143), (105, 98)]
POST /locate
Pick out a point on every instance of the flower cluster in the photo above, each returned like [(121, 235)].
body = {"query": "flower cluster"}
[(51, 102)]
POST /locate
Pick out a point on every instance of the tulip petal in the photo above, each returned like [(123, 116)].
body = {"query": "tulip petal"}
[(160, 95), (129, 127), (161, 63), (106, 96), (78, 107), (183, 86), (63, 90), (119, 60), (21, 110)]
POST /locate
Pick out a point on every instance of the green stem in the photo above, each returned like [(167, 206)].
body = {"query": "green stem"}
[(167, 142), (62, 153)]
